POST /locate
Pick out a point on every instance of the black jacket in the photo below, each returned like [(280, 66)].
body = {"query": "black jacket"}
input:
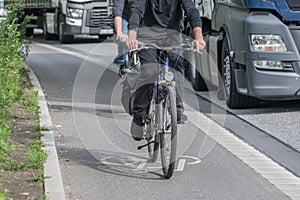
[(163, 13), (121, 8)]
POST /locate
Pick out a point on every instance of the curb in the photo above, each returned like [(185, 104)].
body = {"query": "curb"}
[(53, 181)]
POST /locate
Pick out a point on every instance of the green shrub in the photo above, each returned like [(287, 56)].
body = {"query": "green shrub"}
[(4, 135), (11, 66), (29, 101), (13, 90), (35, 157), (2, 195)]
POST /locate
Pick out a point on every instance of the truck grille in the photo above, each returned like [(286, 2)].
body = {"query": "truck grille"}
[(294, 4), (99, 18), (37, 4)]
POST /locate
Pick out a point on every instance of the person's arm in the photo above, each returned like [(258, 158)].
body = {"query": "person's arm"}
[(118, 28), (132, 42), (196, 23), (137, 11), (118, 12), (198, 39)]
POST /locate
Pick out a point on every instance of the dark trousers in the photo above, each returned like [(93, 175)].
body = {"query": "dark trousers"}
[(149, 72)]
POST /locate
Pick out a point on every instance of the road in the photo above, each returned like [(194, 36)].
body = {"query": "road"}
[(99, 159)]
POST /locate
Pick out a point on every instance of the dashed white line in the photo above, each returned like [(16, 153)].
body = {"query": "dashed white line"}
[(180, 165), (281, 178), (141, 165), (100, 62)]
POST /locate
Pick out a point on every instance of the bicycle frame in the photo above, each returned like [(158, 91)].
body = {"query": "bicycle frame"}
[(159, 89)]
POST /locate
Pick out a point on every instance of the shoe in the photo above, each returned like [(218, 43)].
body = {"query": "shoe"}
[(181, 118), (122, 70), (220, 94), (137, 129)]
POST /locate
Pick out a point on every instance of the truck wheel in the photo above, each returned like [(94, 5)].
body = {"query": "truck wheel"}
[(232, 97), (194, 76), (45, 32), (61, 35)]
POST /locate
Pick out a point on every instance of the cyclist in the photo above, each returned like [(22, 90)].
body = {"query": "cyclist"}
[(121, 11), (159, 21)]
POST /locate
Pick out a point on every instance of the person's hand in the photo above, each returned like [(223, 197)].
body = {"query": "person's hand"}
[(199, 44), (122, 37), (132, 42), (198, 39)]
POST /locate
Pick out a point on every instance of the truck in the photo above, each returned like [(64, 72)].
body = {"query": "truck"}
[(2, 10), (65, 18), (252, 51)]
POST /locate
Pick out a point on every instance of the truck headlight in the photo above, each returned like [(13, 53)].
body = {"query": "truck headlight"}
[(74, 12), (269, 43), (273, 65)]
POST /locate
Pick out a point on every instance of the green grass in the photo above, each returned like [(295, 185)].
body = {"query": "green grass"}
[(5, 132), (38, 135), (11, 67), (29, 101), (15, 166), (35, 157), (15, 88), (3, 196)]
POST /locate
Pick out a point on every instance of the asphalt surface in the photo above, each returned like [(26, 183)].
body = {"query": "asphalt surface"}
[(280, 119), (98, 158)]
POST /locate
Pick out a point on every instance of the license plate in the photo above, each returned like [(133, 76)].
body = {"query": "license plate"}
[(105, 31)]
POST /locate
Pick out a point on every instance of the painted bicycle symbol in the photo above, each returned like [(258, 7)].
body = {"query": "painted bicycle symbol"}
[(141, 165)]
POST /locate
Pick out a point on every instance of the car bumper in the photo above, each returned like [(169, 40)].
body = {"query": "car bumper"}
[(273, 84), (268, 84)]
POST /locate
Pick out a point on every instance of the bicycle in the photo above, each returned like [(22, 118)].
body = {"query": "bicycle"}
[(160, 130)]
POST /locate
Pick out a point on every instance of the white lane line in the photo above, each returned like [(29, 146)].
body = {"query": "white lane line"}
[(196, 160), (180, 165), (277, 175), (99, 62), (141, 165), (158, 167)]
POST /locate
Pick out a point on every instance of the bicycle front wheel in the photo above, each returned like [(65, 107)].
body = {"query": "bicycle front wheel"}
[(168, 136), (151, 134)]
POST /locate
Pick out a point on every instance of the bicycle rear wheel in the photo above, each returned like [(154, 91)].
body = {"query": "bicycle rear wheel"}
[(168, 137), (151, 135)]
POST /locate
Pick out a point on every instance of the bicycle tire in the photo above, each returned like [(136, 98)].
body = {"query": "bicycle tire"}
[(153, 149), (151, 135), (168, 139)]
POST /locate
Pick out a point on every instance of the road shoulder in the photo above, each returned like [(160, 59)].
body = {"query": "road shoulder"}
[(53, 182)]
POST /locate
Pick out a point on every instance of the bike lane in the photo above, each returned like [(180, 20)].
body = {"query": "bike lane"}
[(99, 159)]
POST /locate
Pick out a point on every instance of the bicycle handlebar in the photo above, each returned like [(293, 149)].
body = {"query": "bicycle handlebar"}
[(183, 46)]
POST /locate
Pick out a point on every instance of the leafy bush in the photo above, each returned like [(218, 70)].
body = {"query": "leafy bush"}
[(2, 195), (11, 67), (15, 92), (29, 99)]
